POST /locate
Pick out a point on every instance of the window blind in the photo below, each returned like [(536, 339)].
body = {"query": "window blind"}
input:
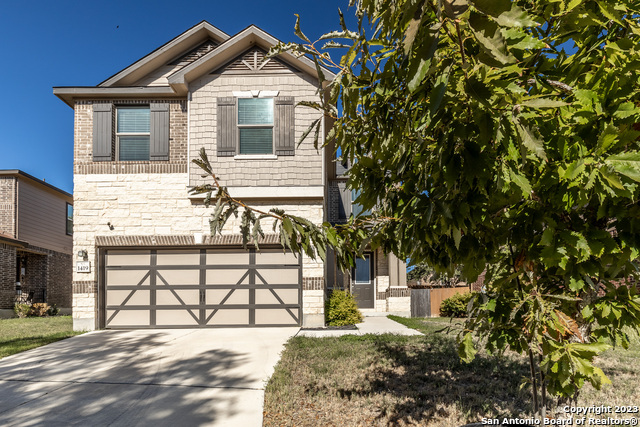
[(133, 120), (255, 111)]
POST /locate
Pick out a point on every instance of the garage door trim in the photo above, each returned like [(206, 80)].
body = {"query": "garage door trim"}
[(201, 312)]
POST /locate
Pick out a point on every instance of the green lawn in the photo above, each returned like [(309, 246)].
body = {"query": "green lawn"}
[(395, 380), (18, 335)]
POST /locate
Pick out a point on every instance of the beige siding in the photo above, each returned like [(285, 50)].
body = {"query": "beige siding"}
[(303, 169), (42, 217)]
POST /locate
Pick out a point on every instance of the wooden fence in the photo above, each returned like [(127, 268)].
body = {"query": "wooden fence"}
[(426, 302)]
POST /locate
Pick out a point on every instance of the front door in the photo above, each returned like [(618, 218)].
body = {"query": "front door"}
[(362, 286)]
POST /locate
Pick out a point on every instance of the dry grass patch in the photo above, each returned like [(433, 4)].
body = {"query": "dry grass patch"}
[(382, 380)]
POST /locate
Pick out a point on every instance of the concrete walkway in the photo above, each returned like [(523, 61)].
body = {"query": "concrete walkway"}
[(371, 325), (140, 378)]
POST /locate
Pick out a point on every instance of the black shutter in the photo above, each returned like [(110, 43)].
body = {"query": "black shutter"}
[(159, 141), (284, 123), (227, 132), (102, 132)]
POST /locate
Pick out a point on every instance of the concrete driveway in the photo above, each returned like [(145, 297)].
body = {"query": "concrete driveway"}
[(160, 377)]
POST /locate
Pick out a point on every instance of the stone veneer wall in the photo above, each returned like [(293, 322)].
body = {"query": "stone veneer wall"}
[(158, 205)]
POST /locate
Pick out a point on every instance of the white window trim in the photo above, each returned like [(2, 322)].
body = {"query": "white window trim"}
[(265, 156), (255, 157), (119, 134)]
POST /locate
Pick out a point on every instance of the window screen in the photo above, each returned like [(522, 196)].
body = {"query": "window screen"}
[(133, 133), (69, 219), (255, 124)]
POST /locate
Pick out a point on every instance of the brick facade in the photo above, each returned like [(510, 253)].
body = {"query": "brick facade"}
[(47, 275), (83, 146), (7, 205), (7, 275)]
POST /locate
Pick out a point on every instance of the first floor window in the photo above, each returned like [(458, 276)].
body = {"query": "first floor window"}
[(133, 132), (255, 125)]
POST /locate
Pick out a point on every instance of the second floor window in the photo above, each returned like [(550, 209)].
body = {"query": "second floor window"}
[(132, 133), (69, 219), (255, 125)]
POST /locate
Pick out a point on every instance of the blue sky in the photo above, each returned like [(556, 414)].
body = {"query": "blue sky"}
[(81, 43)]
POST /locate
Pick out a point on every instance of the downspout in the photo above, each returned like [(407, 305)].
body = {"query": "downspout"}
[(188, 135)]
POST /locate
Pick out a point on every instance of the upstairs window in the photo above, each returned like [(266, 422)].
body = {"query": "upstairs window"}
[(133, 133), (69, 219), (255, 125)]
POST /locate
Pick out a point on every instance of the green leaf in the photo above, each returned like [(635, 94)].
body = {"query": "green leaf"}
[(522, 182), (466, 349), (435, 98), (533, 143), (543, 103), (627, 164), (606, 139), (457, 235), (515, 17), (298, 32), (575, 284), (626, 109), (490, 39)]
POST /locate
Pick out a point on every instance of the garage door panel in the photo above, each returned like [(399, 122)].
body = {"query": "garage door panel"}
[(169, 257), (128, 277), (227, 258), (176, 318), (128, 318), (233, 296), (186, 288), (287, 296), (276, 257), (229, 317), (227, 277), (178, 277), (277, 276), (276, 316), (173, 297), (128, 257), (128, 297)]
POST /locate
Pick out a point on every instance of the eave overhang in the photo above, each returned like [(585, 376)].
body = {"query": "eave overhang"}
[(69, 94)]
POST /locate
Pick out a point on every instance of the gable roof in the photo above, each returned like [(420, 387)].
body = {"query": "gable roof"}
[(231, 48), (197, 51), (166, 53)]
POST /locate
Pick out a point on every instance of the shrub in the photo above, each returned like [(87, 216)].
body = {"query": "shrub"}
[(22, 310), (341, 309), (39, 309), (456, 305), (53, 310)]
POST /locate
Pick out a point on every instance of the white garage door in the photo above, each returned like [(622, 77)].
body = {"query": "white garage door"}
[(179, 288)]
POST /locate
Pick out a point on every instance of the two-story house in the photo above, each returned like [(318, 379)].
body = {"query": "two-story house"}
[(36, 225), (153, 263)]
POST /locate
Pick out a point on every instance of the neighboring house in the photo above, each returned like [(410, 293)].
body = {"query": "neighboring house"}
[(135, 136), (36, 227)]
